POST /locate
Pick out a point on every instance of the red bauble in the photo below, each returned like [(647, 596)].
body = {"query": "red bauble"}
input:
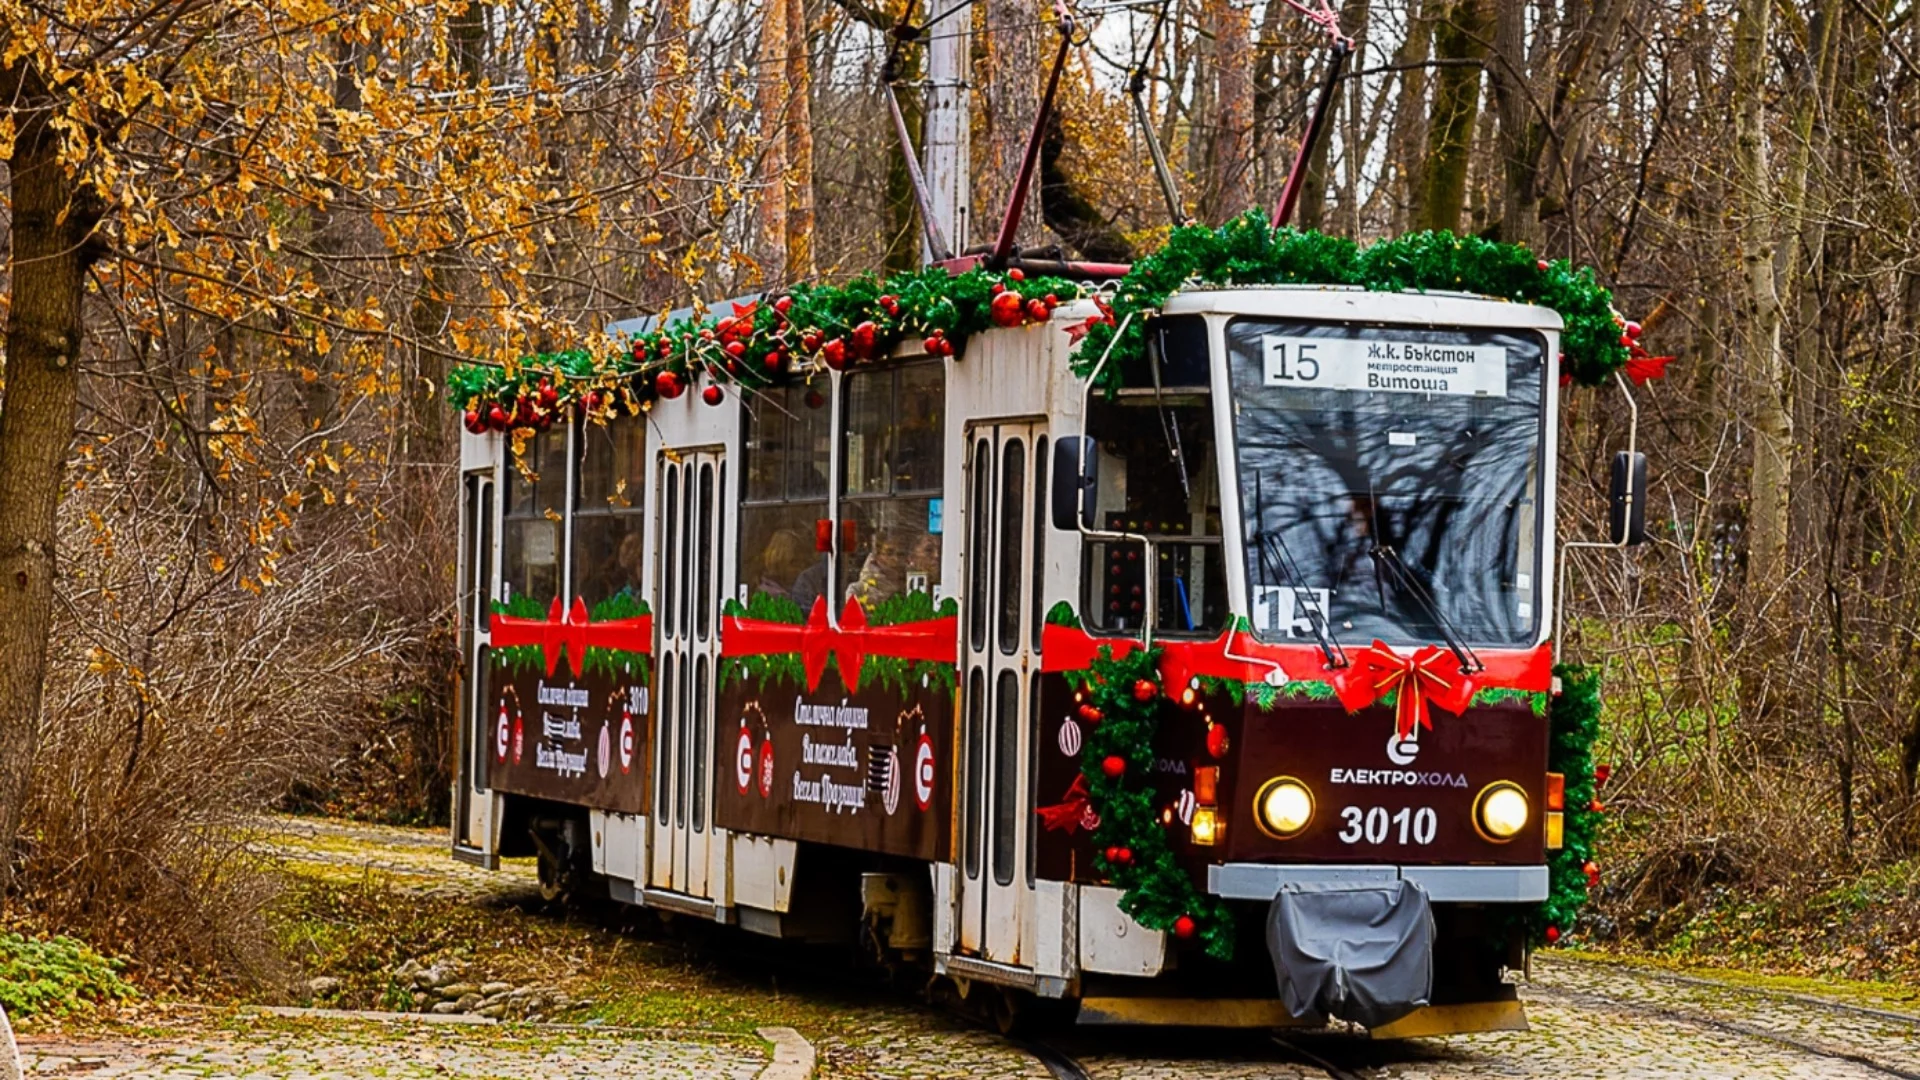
[(1037, 310), (810, 341), (1218, 741), (1052, 300), (1183, 927), (737, 348), (772, 361), (1123, 856), (1633, 330), (1145, 690), (1090, 713), (815, 399), (863, 339), (1007, 309), (713, 395), (497, 418), (835, 354), (1542, 264), (1113, 855), (474, 423), (998, 289), (1114, 766), (594, 400), (549, 397), (1017, 274), (1553, 934), (783, 304), (669, 385), (1597, 806), (1601, 772)]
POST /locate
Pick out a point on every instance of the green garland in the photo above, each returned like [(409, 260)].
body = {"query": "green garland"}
[(1248, 251), (752, 346), (1573, 725), (1155, 890)]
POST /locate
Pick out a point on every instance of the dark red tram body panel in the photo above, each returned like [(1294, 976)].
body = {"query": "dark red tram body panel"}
[(1347, 760)]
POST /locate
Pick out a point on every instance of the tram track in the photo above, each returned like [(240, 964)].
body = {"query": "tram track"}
[(1058, 1062), (1695, 1018), (1810, 1000)]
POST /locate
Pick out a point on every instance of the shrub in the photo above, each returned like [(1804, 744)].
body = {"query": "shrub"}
[(56, 976)]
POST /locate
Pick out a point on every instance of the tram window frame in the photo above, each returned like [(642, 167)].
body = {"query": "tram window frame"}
[(777, 496), (1011, 545), (613, 506), (1005, 806), (976, 772), (1202, 454), (538, 496), (864, 499)]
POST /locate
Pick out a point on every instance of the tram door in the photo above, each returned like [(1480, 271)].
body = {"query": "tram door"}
[(687, 539), (1005, 469), (476, 595)]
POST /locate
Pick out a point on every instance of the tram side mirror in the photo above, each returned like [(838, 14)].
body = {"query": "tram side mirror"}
[(1627, 499), (1076, 479)]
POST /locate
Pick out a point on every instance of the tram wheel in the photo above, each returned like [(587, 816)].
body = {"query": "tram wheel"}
[(555, 879)]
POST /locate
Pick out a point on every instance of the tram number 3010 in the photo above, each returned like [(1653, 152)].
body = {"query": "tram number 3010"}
[(1375, 824)]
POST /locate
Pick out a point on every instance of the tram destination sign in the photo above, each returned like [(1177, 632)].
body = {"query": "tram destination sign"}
[(1384, 365)]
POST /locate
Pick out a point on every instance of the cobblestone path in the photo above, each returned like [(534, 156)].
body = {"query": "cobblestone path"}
[(1588, 1018), (350, 1050)]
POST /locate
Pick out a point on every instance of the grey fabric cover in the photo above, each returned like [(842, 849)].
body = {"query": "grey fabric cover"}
[(1363, 954)]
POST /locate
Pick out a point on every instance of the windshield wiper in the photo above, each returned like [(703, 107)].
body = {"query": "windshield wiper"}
[(1387, 563), (1278, 561)]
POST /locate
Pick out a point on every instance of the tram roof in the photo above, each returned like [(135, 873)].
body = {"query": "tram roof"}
[(1351, 303)]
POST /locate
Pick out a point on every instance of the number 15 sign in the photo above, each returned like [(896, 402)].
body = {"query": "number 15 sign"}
[(1383, 366)]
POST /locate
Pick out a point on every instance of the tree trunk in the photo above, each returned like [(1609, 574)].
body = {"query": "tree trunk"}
[(1460, 37), (52, 248), (799, 146), (1011, 81), (1227, 188), (1522, 132), (1408, 137), (1767, 512), (770, 102)]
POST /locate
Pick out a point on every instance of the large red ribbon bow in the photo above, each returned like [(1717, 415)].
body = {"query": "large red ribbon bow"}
[(1431, 675), (849, 644), (569, 631)]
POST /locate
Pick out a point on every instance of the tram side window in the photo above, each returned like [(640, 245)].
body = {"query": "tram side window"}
[(1158, 477), (890, 508), (788, 451), (536, 499), (610, 477)]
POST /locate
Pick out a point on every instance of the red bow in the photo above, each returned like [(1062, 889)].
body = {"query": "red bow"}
[(568, 631), (1067, 814), (1432, 674), (850, 643)]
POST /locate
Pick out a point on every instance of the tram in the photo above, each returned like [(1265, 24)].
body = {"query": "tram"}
[(825, 661)]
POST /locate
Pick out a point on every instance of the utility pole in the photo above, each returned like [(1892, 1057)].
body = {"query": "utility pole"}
[(949, 120)]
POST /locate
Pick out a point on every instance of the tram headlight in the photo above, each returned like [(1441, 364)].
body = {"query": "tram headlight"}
[(1501, 810), (1283, 806)]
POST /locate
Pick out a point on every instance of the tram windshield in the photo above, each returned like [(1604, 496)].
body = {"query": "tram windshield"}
[(1390, 479)]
